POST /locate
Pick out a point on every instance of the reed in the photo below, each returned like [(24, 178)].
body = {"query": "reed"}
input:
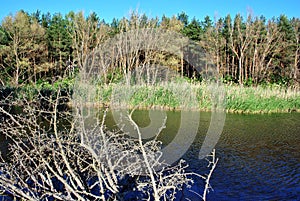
[(262, 99), (184, 95)]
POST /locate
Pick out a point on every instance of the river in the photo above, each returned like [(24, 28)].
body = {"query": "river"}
[(259, 156)]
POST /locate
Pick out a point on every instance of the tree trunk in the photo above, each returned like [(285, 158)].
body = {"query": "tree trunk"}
[(240, 71)]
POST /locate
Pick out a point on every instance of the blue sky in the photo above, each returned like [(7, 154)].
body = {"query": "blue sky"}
[(194, 8)]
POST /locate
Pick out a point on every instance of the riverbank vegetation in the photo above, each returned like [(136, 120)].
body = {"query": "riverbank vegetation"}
[(177, 95), (239, 99)]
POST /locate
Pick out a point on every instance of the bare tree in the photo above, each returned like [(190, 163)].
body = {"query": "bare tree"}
[(63, 155), (266, 46), (213, 44), (26, 44), (86, 33), (240, 39)]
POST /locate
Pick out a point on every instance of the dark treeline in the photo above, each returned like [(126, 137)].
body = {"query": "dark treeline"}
[(44, 47)]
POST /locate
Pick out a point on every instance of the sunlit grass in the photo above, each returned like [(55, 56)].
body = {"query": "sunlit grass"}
[(182, 95), (261, 99)]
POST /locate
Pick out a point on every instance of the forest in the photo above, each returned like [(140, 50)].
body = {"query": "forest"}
[(42, 47)]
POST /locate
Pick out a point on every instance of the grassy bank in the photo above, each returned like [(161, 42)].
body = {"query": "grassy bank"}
[(174, 96), (268, 99)]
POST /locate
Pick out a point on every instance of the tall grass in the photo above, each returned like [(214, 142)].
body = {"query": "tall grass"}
[(183, 95), (262, 99), (163, 96), (180, 94)]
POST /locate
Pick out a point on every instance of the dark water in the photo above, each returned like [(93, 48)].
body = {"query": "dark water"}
[(259, 156)]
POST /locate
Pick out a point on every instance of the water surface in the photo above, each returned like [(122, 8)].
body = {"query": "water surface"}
[(259, 156)]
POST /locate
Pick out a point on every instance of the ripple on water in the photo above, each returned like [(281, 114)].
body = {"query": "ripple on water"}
[(259, 158)]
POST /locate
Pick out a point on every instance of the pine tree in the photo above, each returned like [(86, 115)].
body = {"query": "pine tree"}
[(59, 43)]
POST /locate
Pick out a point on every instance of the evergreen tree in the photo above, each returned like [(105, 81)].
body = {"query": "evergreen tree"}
[(207, 23), (193, 30), (59, 42), (285, 58), (184, 18)]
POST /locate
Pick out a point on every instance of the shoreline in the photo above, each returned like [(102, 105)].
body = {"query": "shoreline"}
[(167, 108), (176, 96)]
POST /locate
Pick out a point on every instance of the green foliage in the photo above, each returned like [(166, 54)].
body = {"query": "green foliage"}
[(3, 37), (272, 98), (176, 95), (65, 83), (228, 79), (248, 82), (59, 40), (193, 30), (114, 76)]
